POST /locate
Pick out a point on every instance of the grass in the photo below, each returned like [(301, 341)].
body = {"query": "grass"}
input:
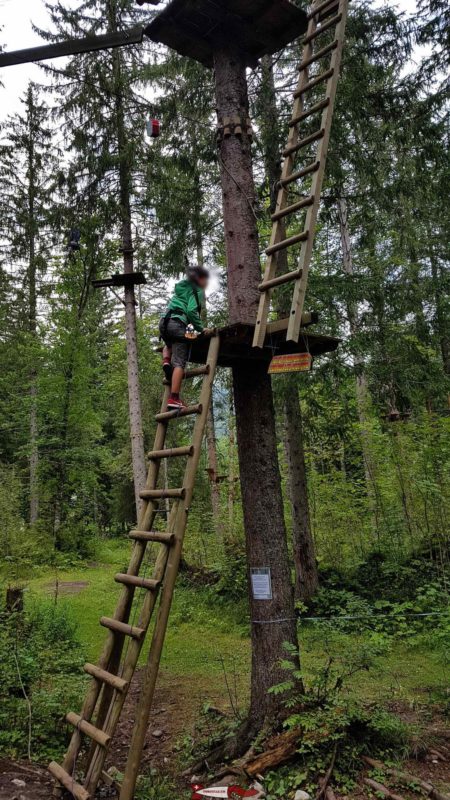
[(207, 643)]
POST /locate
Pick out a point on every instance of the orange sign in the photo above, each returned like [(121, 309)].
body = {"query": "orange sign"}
[(294, 362)]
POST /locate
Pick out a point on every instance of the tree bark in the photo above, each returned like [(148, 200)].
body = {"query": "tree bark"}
[(273, 621), (306, 572), (134, 391), (32, 315)]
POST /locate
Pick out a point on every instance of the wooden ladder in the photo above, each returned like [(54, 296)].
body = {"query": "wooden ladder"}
[(326, 19), (112, 676)]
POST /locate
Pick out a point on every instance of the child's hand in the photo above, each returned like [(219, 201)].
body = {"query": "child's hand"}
[(208, 332)]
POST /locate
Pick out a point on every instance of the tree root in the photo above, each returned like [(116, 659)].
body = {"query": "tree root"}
[(383, 790), (323, 783), (406, 778)]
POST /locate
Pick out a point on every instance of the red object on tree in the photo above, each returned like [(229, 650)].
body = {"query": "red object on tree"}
[(153, 128)]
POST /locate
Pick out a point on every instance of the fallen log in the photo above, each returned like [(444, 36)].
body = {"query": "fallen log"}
[(281, 750)]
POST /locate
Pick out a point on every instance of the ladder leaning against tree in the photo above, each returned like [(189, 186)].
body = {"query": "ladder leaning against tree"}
[(326, 19), (112, 676)]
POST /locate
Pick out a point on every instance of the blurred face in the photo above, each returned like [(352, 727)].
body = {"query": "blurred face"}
[(202, 282)]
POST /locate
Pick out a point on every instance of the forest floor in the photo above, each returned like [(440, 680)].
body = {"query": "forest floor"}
[(204, 674)]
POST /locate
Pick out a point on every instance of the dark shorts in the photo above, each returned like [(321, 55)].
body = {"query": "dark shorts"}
[(173, 334)]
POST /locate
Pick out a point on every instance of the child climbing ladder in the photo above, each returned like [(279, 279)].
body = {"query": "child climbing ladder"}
[(182, 322)]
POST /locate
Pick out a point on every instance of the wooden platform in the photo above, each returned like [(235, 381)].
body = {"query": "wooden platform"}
[(236, 346), (195, 28)]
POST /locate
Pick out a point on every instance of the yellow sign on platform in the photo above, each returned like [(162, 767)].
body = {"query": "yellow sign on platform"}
[(293, 362)]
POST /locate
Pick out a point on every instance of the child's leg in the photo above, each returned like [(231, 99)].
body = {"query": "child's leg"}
[(177, 380), (167, 354)]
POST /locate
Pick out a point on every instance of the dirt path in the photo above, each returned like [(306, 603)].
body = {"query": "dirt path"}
[(176, 712)]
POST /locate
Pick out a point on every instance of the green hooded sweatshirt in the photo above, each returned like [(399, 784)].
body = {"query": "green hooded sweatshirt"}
[(187, 302)]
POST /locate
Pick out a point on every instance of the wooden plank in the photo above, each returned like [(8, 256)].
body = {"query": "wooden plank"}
[(309, 112), (153, 536), (89, 730), (106, 677), (324, 76), (285, 243), (318, 8), (151, 672), (279, 280), (308, 318), (318, 55), (307, 201), (122, 627), (136, 580), (313, 137), (323, 28), (160, 494), (301, 173), (166, 416), (66, 780), (174, 452)]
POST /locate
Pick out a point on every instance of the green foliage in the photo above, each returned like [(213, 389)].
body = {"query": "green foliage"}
[(41, 662)]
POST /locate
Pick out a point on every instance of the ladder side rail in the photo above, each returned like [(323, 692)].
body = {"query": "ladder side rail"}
[(283, 193), (112, 649), (298, 298), (152, 668)]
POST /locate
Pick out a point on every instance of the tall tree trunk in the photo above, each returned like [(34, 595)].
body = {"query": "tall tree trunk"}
[(362, 391), (134, 391), (273, 621), (304, 552), (32, 316), (306, 572)]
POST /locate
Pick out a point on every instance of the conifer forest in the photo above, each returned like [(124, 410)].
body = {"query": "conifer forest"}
[(304, 559)]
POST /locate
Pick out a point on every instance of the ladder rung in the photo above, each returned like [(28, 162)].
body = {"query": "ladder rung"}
[(122, 627), (319, 54), (300, 237), (325, 27), (280, 279), (307, 201), (106, 677), (153, 536), (179, 412), (174, 452), (295, 176), (309, 111), (324, 76), (66, 780), (277, 325), (193, 373), (135, 580), (102, 738), (321, 7), (294, 148), (159, 494)]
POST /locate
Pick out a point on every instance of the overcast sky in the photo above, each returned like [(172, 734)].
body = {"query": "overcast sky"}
[(16, 17)]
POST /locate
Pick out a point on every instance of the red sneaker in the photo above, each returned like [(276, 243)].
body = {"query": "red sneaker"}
[(175, 403)]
